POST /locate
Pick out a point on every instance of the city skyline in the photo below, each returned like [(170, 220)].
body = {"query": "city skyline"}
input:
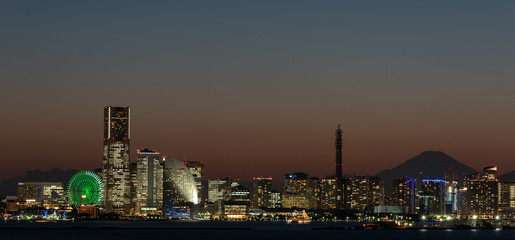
[(173, 189), (243, 86)]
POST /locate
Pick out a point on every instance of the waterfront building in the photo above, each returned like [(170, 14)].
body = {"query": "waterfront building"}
[(366, 192), (147, 180), (41, 194), (262, 196), (433, 196), (483, 193), (296, 201), (116, 159), (328, 193), (236, 203), (219, 188), (160, 190), (506, 199), (302, 184), (347, 192), (425, 202), (451, 197), (197, 169), (179, 190), (276, 199), (463, 202), (133, 172), (404, 193)]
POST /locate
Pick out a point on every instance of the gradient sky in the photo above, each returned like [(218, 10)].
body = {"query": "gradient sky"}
[(257, 87)]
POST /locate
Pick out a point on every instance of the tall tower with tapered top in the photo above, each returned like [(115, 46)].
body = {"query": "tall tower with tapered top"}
[(115, 163), (339, 178)]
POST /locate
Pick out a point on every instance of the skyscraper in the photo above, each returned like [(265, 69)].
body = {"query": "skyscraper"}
[(328, 193), (115, 164), (366, 192), (299, 186), (197, 170), (404, 193), (432, 199), (262, 192), (339, 176), (147, 180), (179, 190), (483, 193)]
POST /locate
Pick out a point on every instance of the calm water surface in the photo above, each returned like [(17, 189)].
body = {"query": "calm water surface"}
[(96, 230)]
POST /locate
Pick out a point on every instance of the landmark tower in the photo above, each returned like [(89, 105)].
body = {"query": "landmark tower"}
[(339, 178)]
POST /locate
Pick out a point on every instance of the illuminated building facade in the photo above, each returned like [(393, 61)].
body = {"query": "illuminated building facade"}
[(328, 193), (301, 184), (404, 193), (197, 169), (116, 159), (463, 202), (483, 194), (147, 180), (262, 196), (433, 195), (296, 201), (179, 189), (133, 172), (276, 200), (218, 189), (160, 190), (366, 192), (41, 194), (451, 197), (506, 199), (236, 203)]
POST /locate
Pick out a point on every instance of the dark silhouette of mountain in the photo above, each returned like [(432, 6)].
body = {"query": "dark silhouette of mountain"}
[(507, 176), (429, 164), (9, 187)]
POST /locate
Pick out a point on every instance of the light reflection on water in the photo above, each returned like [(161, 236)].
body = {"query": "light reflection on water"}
[(96, 230)]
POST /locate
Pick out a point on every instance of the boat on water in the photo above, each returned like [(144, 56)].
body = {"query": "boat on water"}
[(299, 218)]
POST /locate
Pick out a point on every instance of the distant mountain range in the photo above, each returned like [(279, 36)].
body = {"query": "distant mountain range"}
[(9, 187), (429, 164), (507, 176)]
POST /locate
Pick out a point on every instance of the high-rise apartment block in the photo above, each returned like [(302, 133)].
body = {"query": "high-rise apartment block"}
[(147, 183), (451, 197), (262, 192), (483, 193), (300, 186), (366, 192), (506, 199), (328, 193), (404, 193), (432, 197)]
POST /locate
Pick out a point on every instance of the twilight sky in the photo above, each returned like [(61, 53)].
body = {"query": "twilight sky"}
[(257, 87)]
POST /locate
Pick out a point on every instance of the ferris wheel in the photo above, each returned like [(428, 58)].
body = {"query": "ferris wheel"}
[(85, 188)]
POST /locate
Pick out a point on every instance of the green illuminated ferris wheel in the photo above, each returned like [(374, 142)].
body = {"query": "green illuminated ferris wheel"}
[(85, 187)]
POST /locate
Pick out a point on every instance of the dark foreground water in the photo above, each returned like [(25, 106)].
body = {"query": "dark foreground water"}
[(118, 230)]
